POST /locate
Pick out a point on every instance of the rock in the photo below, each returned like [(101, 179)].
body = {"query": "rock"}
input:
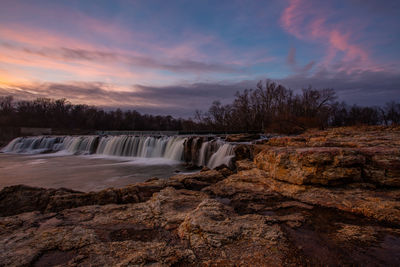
[(198, 180), (242, 137), (204, 169), (215, 228), (349, 232), (333, 157), (242, 165), (382, 205), (382, 166), (21, 198), (224, 170), (18, 199), (253, 225), (353, 137), (243, 152), (108, 235), (161, 231), (324, 166)]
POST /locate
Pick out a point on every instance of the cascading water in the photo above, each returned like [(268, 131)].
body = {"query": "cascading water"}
[(142, 146), (78, 144), (200, 151), (31, 145), (223, 155), (202, 154), (40, 144), (208, 149)]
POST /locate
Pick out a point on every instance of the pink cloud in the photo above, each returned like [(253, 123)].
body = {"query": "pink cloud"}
[(60, 49), (80, 47), (60, 55), (309, 21)]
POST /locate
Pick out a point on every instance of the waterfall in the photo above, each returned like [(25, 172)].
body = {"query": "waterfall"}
[(200, 151), (223, 155), (174, 148), (142, 146), (201, 161), (40, 144), (78, 144), (31, 145)]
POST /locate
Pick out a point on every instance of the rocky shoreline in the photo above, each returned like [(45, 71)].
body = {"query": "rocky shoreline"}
[(328, 198)]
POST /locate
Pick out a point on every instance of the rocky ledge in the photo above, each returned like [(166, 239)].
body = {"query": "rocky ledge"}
[(324, 198)]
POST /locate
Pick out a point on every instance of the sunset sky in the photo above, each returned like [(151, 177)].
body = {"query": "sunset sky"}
[(172, 57)]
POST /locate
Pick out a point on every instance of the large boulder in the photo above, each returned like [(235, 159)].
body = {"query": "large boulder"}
[(334, 157), (323, 166)]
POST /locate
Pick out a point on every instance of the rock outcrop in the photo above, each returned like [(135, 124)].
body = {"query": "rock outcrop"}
[(242, 137), (339, 156), (324, 198), (20, 198)]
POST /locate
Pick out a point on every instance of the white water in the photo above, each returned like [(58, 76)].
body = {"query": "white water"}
[(78, 144), (202, 154), (223, 155), (211, 154), (142, 147), (31, 145)]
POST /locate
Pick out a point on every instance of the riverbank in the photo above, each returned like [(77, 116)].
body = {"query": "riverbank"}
[(321, 198)]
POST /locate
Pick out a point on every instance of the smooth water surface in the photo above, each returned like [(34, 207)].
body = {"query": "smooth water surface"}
[(82, 173)]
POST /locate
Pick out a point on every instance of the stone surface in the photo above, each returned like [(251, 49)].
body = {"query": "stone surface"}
[(246, 164), (173, 227), (242, 137), (20, 198), (336, 156), (244, 152)]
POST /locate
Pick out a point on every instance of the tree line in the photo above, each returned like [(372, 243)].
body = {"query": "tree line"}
[(269, 107), (61, 114)]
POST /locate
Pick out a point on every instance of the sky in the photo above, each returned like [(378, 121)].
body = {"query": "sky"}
[(173, 57)]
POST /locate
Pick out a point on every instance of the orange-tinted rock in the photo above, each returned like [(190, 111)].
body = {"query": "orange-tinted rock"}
[(242, 137), (242, 165), (383, 165), (335, 156), (323, 166), (243, 152)]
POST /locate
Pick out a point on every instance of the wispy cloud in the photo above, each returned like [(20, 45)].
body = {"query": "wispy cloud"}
[(102, 56), (312, 21)]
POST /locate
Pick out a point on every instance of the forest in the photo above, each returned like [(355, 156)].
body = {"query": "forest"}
[(269, 107)]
